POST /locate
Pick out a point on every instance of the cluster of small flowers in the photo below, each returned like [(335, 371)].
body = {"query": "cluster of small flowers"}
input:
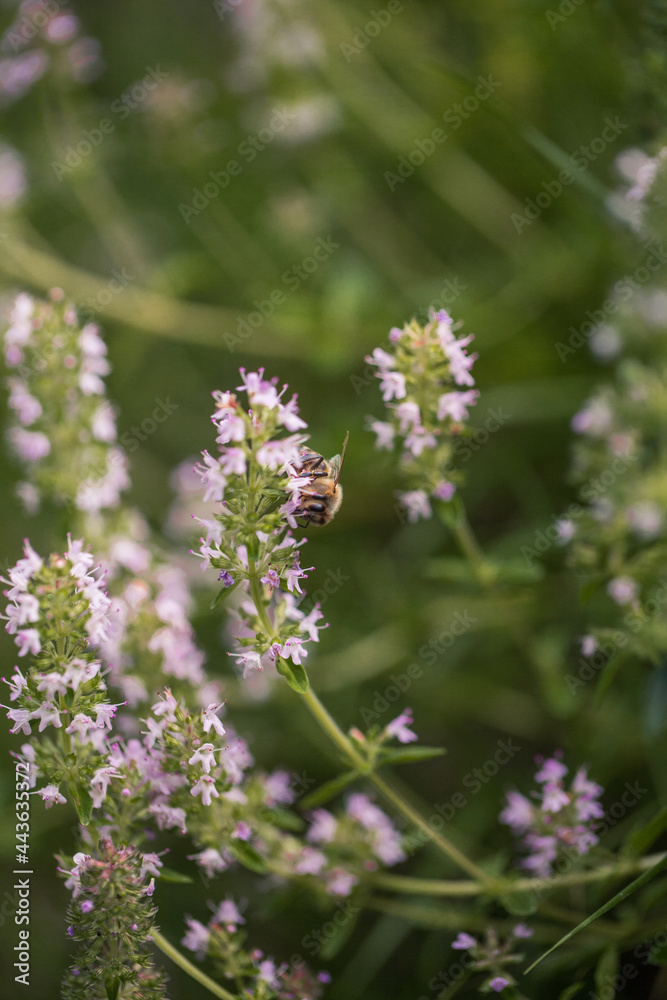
[(559, 822), (256, 479), (111, 905), (639, 172), (57, 612), (43, 35), (492, 956), (248, 822), (427, 385), (355, 841), (65, 428), (617, 535), (221, 940), (13, 180), (66, 437)]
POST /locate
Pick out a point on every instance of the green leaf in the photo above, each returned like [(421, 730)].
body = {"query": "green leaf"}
[(658, 955), (282, 818), (328, 790), (655, 704), (252, 545), (223, 594), (521, 903), (171, 875), (606, 968), (112, 987), (248, 856), (571, 991), (294, 674), (83, 803), (589, 590), (457, 985), (333, 944), (451, 570), (516, 570), (408, 755), (609, 671), (639, 840), (645, 877), (452, 513)]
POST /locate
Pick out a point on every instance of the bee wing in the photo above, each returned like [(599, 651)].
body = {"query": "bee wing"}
[(336, 462)]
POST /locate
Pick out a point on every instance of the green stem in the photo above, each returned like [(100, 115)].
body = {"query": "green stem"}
[(471, 550), (454, 920), (334, 731), (442, 887), (187, 966)]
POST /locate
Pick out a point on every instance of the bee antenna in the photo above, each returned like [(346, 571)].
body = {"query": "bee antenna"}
[(342, 458)]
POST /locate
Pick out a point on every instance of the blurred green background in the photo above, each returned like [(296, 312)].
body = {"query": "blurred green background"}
[(444, 235)]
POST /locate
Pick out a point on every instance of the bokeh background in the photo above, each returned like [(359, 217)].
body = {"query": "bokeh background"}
[(356, 103)]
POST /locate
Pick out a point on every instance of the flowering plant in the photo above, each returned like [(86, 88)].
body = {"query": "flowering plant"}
[(137, 759), (427, 387)]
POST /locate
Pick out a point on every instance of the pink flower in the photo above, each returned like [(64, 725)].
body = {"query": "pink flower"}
[(382, 359), (408, 415), (278, 788), (623, 589), (416, 504), (228, 914), (204, 755), (518, 813), (28, 641), (322, 828), (385, 434), (398, 727), (455, 404), (205, 787), (418, 439), (233, 462), (459, 360), (341, 883), (294, 649), (196, 938), (311, 861), (498, 984), (30, 446), (551, 770), (211, 720), (464, 942), (392, 385), (51, 796), (444, 491)]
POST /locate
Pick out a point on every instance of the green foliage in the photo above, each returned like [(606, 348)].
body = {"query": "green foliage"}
[(301, 263)]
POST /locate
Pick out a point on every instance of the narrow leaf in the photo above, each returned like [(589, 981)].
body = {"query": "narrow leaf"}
[(606, 968), (639, 840), (248, 856), (294, 674), (328, 790), (112, 988), (619, 897), (409, 755), (333, 944), (223, 594), (171, 875), (609, 671), (521, 903), (83, 803), (571, 991), (658, 955)]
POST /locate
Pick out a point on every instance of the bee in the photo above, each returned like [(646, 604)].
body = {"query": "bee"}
[(321, 500)]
